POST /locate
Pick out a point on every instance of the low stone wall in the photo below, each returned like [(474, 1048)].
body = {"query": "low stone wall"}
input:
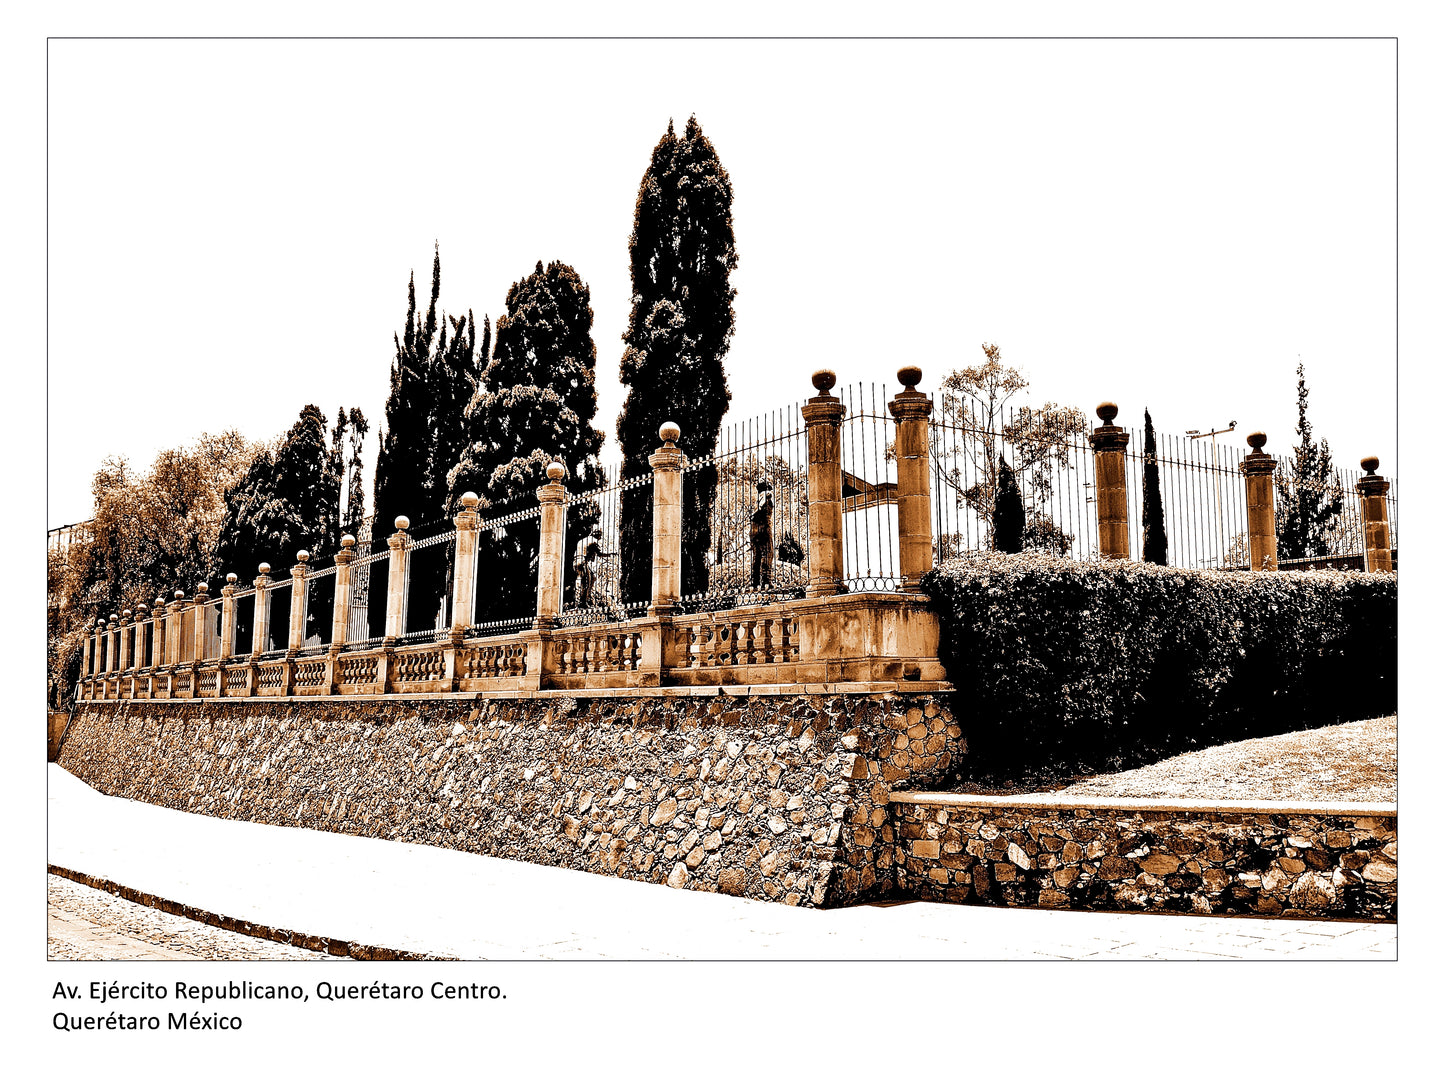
[(1265, 858), (774, 797)]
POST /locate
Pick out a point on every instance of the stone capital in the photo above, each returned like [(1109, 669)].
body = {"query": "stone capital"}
[(1372, 485), (398, 540), (823, 409), (1258, 464), (910, 404), (548, 495), (345, 556), (298, 572), (1107, 439), (668, 458)]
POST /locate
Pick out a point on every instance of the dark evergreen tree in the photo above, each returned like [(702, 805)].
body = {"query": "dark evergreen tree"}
[(288, 500), (682, 254), (432, 379), (404, 459), (1008, 512), (1156, 543), (534, 404), (1310, 497), (355, 487)]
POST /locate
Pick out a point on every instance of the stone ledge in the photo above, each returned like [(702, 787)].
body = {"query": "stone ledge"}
[(1073, 803), (331, 946), (701, 691)]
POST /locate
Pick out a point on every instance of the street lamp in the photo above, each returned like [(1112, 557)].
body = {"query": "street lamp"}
[(1214, 458)]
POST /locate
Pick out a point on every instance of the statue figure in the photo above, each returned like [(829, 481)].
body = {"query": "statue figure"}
[(586, 563), (760, 536)]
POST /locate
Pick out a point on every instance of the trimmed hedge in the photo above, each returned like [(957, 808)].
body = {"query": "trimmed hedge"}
[(1111, 661)]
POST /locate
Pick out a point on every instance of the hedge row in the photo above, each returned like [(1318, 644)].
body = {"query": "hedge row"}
[(1112, 661)]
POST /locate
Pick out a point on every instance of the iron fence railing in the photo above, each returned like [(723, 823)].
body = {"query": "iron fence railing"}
[(756, 545)]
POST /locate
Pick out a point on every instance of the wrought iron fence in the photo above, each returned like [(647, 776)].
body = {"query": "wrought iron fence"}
[(870, 489), (1045, 450), (756, 547), (592, 553)]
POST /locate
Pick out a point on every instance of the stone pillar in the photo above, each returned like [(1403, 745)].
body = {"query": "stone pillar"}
[(911, 410), (228, 617), (666, 522), (464, 570), (174, 656), (1258, 468), (1375, 517), (158, 632), (396, 582), (87, 660), (553, 497), (112, 658), (261, 620), (824, 417), (296, 635), (200, 625), (1110, 488), (127, 641), (341, 603)]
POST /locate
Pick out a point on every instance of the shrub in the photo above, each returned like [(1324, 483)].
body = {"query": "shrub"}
[(1111, 661)]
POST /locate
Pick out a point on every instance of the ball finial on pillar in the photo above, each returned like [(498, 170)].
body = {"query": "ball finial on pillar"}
[(348, 541), (202, 587), (1369, 464), (1107, 411), (402, 522), (179, 594), (910, 376), (126, 614), (263, 568), (1257, 440), (231, 579), (555, 471), (824, 380), (669, 432), (303, 556), (470, 500)]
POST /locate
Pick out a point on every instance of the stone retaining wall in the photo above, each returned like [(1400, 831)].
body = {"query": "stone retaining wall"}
[(1116, 854), (774, 797)]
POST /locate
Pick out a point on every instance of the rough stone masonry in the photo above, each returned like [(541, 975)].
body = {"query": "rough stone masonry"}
[(773, 797)]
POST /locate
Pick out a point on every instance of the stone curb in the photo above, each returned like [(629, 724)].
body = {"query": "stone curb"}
[(331, 946), (1059, 802)]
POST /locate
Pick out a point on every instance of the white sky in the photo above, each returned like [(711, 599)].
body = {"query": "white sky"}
[(1170, 223)]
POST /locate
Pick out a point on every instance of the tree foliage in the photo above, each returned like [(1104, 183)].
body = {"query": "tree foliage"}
[(289, 500), (1156, 542), (151, 534), (1310, 503), (1008, 511), (682, 255), (534, 405), (979, 423)]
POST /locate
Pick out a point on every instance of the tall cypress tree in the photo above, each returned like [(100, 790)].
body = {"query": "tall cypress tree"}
[(1008, 512), (534, 405), (355, 486), (682, 254), (1156, 543), (402, 464), (1311, 498)]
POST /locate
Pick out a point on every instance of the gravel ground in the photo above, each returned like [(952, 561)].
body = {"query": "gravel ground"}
[(88, 924), (1350, 762)]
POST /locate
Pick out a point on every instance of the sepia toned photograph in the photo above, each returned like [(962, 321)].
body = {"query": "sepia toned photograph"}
[(722, 500)]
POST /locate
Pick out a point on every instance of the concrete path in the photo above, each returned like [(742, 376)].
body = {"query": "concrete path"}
[(439, 902)]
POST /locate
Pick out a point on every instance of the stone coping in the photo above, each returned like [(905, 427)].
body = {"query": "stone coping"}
[(1075, 802), (697, 690)]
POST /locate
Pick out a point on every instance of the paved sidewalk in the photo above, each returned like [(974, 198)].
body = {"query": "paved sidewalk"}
[(446, 903)]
